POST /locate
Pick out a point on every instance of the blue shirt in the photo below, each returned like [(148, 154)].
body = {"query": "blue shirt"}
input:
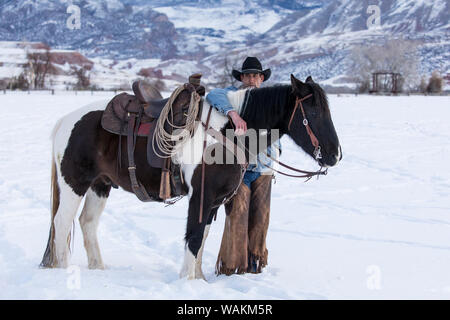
[(219, 100)]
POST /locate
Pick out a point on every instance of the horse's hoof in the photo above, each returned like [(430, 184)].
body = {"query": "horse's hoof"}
[(200, 277)]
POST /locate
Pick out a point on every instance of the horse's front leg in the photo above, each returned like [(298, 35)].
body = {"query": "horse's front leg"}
[(196, 234), (198, 264)]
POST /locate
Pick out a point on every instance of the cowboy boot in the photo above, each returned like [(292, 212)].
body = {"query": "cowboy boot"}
[(233, 249), (259, 213)]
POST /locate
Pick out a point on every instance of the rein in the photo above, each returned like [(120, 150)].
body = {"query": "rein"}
[(304, 174), (202, 186), (314, 142)]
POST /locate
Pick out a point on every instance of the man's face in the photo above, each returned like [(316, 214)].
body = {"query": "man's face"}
[(252, 80)]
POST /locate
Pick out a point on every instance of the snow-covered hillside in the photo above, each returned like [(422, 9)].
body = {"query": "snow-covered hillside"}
[(302, 36), (376, 227), (107, 28)]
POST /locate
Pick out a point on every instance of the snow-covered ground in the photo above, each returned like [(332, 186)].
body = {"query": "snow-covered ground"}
[(377, 226)]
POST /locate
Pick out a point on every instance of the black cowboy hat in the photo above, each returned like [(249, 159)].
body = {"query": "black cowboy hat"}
[(251, 65)]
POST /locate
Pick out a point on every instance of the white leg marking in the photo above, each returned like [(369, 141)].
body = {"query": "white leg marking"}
[(198, 263), (89, 218), (188, 269), (68, 205), (192, 267)]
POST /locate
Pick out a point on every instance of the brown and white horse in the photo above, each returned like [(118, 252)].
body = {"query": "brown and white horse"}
[(84, 164)]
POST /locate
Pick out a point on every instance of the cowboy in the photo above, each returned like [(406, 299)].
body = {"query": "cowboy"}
[(243, 248)]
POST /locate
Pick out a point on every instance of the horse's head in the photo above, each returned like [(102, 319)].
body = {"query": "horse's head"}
[(309, 123)]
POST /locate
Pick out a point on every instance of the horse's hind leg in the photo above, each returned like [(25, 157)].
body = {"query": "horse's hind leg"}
[(68, 206), (94, 204)]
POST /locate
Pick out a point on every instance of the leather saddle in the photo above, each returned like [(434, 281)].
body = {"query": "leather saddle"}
[(114, 118), (136, 116)]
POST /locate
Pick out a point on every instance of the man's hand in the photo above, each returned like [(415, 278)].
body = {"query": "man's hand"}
[(239, 123)]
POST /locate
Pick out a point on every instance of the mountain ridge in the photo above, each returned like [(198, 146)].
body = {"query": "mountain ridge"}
[(302, 37)]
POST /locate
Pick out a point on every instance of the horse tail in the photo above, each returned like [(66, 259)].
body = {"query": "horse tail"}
[(49, 259)]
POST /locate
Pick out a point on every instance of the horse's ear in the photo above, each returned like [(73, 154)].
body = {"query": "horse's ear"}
[(309, 79), (297, 85)]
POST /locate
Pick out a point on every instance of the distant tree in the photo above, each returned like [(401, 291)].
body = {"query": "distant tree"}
[(396, 55), (435, 83), (37, 68), (223, 77), (82, 76)]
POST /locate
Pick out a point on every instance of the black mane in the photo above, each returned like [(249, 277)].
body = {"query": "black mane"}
[(320, 97), (264, 107)]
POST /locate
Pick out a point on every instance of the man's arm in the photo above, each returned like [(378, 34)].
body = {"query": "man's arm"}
[(219, 100)]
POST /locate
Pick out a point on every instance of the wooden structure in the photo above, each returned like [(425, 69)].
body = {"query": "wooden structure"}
[(394, 80)]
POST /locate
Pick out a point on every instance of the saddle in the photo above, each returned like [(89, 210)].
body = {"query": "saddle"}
[(133, 116)]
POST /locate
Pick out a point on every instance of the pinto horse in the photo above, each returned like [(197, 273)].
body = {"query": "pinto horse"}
[(84, 164)]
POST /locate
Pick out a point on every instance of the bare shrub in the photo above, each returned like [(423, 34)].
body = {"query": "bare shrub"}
[(435, 83), (19, 83)]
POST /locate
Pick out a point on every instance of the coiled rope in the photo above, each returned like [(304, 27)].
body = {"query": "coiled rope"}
[(169, 142)]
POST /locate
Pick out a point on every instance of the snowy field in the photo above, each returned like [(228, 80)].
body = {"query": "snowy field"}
[(376, 227)]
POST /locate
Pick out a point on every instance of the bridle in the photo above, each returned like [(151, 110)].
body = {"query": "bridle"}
[(312, 136), (314, 141)]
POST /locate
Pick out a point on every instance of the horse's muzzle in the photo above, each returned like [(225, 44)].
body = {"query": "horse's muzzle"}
[(331, 159)]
